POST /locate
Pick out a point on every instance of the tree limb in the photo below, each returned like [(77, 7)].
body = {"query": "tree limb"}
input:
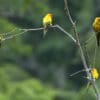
[(37, 29), (81, 51)]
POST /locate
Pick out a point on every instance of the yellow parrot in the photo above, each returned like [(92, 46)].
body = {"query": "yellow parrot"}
[(47, 22), (96, 27)]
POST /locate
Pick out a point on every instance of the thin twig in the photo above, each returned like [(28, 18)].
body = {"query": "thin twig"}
[(77, 37), (37, 29), (54, 26), (95, 53), (12, 36), (91, 37), (83, 70), (81, 51), (87, 56), (9, 33)]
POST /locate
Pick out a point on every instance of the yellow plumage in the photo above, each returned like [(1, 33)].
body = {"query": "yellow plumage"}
[(96, 27), (47, 22), (94, 73)]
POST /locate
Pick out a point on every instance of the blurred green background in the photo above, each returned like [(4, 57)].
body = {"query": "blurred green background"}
[(37, 68)]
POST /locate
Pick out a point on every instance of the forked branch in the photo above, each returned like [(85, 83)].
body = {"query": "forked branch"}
[(38, 29), (86, 67)]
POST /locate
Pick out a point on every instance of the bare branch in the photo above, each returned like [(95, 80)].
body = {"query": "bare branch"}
[(37, 29), (68, 34), (55, 26), (67, 11), (83, 70), (81, 51), (12, 36)]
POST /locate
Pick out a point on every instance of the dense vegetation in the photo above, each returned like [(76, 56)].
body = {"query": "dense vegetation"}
[(37, 68)]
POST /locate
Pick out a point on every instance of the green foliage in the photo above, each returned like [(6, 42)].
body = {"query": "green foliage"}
[(16, 84), (50, 59)]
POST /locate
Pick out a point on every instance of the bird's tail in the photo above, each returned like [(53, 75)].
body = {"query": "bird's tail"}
[(45, 30), (98, 38)]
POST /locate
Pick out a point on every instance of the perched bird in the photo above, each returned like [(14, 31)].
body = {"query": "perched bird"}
[(96, 27), (47, 22), (94, 73)]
